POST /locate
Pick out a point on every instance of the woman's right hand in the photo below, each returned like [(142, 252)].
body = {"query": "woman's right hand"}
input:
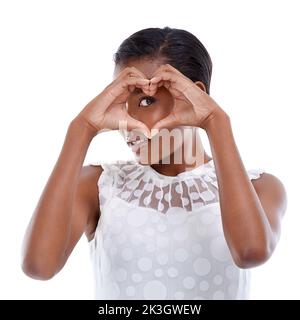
[(107, 109)]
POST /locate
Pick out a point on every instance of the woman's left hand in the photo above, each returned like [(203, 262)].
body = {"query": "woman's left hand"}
[(192, 105)]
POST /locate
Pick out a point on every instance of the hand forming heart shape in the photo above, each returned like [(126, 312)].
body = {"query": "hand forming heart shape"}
[(192, 105)]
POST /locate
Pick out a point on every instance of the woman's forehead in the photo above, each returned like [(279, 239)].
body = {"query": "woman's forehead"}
[(146, 66)]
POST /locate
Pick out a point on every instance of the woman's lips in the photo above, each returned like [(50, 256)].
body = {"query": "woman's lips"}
[(137, 144)]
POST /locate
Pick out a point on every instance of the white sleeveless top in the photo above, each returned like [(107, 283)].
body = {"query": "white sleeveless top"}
[(161, 237)]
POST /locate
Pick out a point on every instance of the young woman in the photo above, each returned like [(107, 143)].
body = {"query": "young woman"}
[(158, 229)]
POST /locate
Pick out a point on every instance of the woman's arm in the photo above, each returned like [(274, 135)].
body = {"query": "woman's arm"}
[(251, 212), (64, 208), (68, 205)]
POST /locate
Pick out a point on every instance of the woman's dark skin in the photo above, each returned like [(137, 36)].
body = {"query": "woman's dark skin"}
[(69, 205)]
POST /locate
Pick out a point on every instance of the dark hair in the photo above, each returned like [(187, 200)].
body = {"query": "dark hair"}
[(177, 47)]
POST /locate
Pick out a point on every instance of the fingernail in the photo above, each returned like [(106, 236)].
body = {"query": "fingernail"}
[(154, 132), (147, 134)]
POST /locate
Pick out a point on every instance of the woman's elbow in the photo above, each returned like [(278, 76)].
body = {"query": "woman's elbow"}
[(253, 257), (37, 270)]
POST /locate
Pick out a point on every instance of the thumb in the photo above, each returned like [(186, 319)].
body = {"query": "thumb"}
[(136, 124), (168, 122)]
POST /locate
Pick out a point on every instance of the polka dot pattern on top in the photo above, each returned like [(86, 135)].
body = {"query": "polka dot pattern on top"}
[(161, 237)]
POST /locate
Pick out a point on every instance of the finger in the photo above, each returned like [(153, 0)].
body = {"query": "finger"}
[(136, 124), (168, 122), (136, 71), (162, 79), (174, 84), (151, 91), (144, 85), (153, 86), (162, 69), (178, 82), (158, 85), (125, 88), (131, 83), (137, 81), (130, 72)]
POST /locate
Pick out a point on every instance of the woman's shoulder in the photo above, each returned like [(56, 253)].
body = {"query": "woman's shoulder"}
[(115, 166), (114, 163), (266, 183), (271, 184)]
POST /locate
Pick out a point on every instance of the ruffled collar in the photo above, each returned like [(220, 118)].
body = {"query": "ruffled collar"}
[(203, 168), (143, 186)]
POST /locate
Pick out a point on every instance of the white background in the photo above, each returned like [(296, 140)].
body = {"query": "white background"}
[(55, 56)]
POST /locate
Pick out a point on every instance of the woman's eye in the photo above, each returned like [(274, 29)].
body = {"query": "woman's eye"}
[(146, 99)]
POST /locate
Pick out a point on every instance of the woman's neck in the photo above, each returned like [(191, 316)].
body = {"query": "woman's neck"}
[(190, 160)]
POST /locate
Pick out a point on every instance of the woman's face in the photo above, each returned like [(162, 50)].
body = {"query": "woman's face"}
[(149, 110)]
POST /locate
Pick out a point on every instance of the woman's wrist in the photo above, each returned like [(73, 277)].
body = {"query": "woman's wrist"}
[(216, 122), (81, 126), (220, 136)]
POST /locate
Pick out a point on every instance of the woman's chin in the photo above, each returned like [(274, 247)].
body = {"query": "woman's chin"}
[(146, 158), (148, 155)]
